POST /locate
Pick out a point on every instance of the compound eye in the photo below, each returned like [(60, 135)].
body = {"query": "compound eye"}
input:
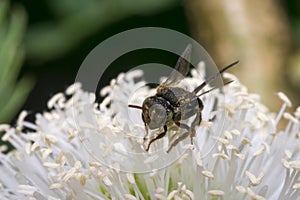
[(158, 116)]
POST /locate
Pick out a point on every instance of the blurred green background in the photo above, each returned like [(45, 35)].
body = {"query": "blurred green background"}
[(43, 43)]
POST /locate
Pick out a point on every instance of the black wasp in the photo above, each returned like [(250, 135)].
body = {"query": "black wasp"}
[(172, 104)]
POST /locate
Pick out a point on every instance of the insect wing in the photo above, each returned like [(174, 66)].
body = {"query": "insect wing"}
[(181, 69)]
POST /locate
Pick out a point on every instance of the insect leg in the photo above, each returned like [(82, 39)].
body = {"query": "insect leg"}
[(147, 132), (159, 136), (180, 138), (195, 123), (180, 125), (197, 120), (190, 130)]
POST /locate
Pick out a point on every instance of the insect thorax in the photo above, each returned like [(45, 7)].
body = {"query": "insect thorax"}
[(184, 104), (174, 95)]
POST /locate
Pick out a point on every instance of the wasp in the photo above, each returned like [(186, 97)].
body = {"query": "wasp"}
[(171, 104)]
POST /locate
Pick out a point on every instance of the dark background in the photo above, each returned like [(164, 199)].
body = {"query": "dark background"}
[(55, 75), (52, 72)]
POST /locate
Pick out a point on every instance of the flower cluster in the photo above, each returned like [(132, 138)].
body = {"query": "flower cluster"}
[(241, 155)]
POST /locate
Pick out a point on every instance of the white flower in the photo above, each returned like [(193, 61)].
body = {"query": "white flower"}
[(77, 151)]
